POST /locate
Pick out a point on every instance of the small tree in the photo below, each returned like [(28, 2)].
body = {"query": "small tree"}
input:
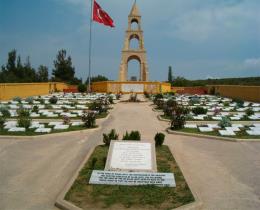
[(159, 139), (82, 88), (112, 135), (179, 117)]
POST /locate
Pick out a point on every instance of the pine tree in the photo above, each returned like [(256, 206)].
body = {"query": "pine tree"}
[(63, 69), (170, 74)]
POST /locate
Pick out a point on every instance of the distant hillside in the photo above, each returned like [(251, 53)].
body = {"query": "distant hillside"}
[(251, 81)]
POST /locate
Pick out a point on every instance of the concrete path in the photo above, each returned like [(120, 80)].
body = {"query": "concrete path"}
[(225, 175)]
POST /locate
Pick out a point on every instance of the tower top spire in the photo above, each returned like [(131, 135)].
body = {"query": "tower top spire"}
[(134, 10)]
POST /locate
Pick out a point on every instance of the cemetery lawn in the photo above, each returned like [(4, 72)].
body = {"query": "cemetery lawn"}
[(88, 196), (30, 132), (239, 135)]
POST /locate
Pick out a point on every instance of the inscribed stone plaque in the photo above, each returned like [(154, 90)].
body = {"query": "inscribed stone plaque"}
[(132, 178), (131, 156), (137, 88)]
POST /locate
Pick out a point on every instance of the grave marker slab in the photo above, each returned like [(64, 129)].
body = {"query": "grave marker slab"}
[(131, 156), (132, 178)]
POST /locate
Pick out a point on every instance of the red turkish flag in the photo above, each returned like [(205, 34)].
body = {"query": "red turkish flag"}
[(100, 16)]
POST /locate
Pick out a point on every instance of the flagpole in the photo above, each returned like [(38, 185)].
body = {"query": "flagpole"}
[(90, 47)]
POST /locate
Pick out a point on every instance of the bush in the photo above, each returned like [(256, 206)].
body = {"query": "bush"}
[(110, 99), (159, 139), (24, 122), (5, 112), (157, 98), (112, 135), (98, 106), (29, 100), (2, 122), (169, 106), (179, 117), (53, 100), (250, 112), (23, 112), (35, 109), (82, 88), (199, 110), (89, 119), (93, 163), (66, 120), (18, 99), (134, 135), (239, 102), (41, 100), (194, 100), (225, 122)]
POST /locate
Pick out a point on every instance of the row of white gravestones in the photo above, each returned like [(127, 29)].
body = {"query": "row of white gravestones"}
[(132, 163)]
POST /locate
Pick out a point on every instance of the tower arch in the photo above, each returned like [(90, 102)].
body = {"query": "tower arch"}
[(138, 54)]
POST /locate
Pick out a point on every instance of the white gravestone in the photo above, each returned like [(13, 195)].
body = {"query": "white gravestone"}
[(132, 178), (131, 156)]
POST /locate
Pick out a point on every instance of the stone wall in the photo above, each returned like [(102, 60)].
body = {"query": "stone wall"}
[(248, 93), (23, 90), (117, 87)]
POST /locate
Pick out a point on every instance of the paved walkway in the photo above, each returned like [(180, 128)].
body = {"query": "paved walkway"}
[(225, 175)]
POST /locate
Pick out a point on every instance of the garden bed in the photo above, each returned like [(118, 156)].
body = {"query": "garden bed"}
[(30, 132), (88, 196), (239, 135)]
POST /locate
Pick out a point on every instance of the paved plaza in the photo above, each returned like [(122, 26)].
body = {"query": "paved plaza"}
[(224, 175)]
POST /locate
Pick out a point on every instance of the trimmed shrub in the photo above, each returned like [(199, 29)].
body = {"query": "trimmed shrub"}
[(179, 117), (89, 119), (82, 88), (159, 139), (110, 99), (2, 122), (5, 112), (199, 110), (194, 100), (24, 122), (93, 162), (23, 112), (35, 109), (225, 122), (53, 100), (29, 100), (66, 120), (250, 112), (98, 106), (239, 102), (133, 135), (112, 135)]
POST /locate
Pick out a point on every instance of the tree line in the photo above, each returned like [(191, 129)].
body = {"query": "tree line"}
[(15, 71), (183, 82)]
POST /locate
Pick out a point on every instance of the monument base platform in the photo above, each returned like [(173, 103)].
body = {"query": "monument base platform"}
[(131, 87)]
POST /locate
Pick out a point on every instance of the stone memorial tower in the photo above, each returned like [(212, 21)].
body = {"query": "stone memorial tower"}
[(138, 54)]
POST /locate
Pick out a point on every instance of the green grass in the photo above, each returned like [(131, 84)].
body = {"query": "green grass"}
[(30, 132), (239, 135), (146, 197)]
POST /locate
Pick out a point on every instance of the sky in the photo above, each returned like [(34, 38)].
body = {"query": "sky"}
[(200, 39)]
